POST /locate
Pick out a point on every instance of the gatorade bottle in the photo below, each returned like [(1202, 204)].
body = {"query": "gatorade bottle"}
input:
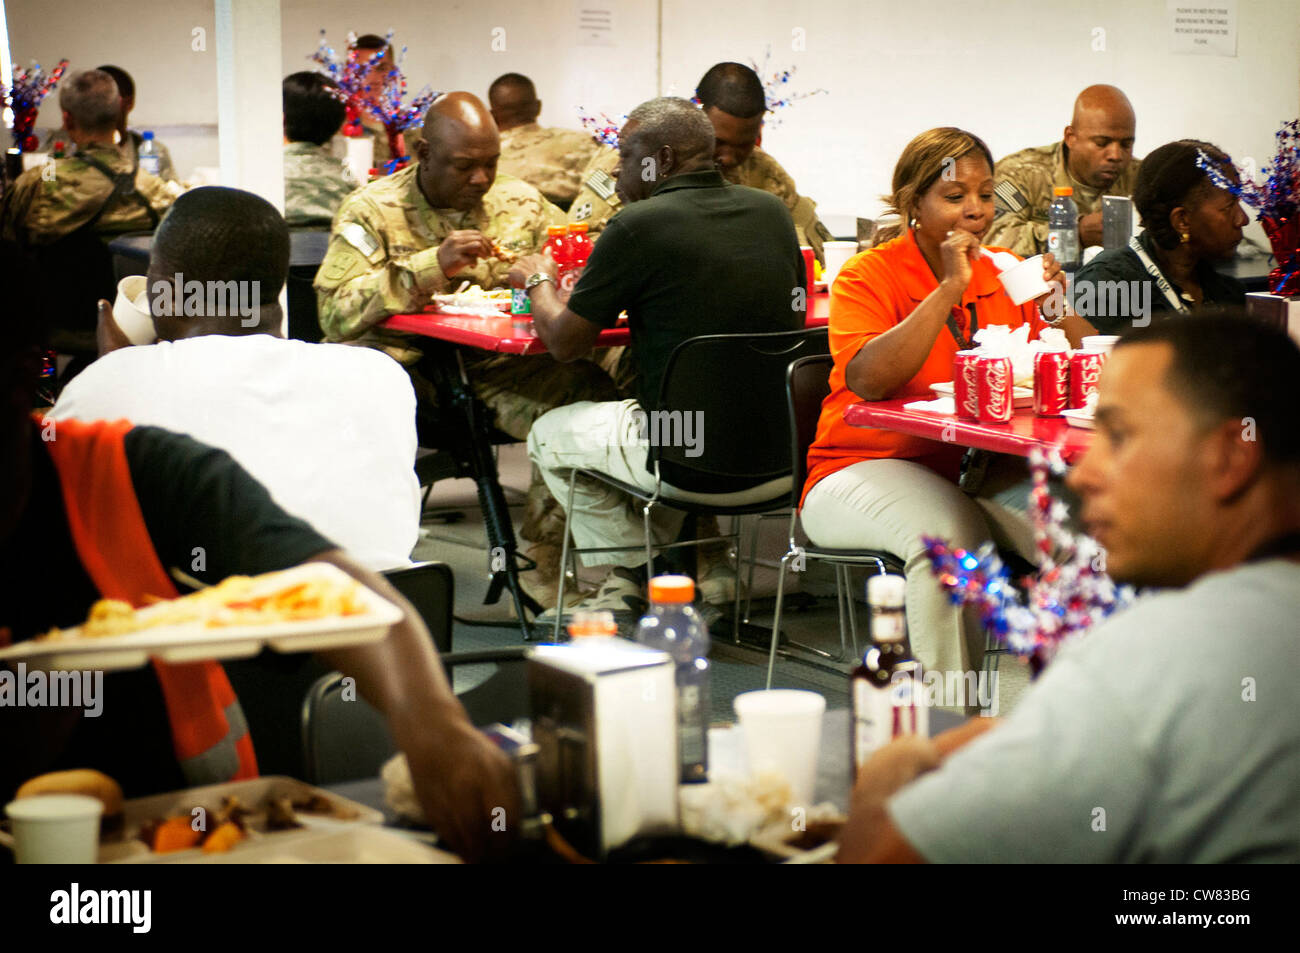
[(579, 250), (556, 244), (150, 160), (673, 626), (1063, 228)]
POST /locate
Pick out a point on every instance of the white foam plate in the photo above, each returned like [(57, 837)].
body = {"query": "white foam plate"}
[(1079, 418), (1023, 396), (195, 642)]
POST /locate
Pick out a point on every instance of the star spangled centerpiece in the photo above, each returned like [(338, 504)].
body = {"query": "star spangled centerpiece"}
[(1276, 203), (30, 86), (1069, 593), (601, 127), (776, 87), (386, 104)]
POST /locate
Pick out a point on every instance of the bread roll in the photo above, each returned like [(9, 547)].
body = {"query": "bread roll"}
[(81, 781)]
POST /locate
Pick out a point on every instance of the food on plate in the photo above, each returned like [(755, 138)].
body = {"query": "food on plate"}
[(502, 254), (175, 833), (237, 601), (81, 781), (472, 299), (234, 822), (225, 836)]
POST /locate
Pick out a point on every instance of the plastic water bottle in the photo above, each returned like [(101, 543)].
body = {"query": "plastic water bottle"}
[(672, 625), (150, 160), (1063, 228)]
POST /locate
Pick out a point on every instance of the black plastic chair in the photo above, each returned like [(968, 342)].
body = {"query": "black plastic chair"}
[(807, 386), (431, 589), (734, 382), (345, 739)]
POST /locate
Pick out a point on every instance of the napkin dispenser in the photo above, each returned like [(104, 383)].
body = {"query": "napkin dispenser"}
[(604, 720), (1277, 310)]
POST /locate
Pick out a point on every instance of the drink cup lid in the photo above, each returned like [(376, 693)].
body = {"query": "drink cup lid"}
[(672, 589), (1063, 190), (886, 591)]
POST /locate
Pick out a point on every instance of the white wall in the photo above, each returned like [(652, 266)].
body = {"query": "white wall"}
[(1007, 70)]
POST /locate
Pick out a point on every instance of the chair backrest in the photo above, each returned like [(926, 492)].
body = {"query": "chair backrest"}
[(724, 392), (807, 384), (345, 739), (431, 588)]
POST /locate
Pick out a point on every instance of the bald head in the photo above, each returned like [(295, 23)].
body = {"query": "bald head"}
[(458, 152), (1100, 136)]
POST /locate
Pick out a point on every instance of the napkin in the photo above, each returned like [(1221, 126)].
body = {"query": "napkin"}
[(998, 340), (940, 405)]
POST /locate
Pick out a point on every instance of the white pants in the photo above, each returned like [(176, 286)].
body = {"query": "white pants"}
[(889, 504), (612, 437)]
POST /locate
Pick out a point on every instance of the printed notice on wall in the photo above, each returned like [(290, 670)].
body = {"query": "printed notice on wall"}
[(595, 24), (1207, 27)]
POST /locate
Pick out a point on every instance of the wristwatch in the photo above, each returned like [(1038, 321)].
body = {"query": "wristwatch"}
[(535, 279)]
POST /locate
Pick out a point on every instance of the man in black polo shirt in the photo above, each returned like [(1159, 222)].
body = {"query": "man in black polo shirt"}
[(689, 255)]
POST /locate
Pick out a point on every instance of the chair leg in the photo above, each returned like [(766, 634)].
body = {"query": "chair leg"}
[(737, 523), (753, 556), (564, 558), (649, 544), (776, 619), (853, 615)]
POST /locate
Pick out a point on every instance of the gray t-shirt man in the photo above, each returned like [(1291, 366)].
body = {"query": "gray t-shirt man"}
[(1168, 735)]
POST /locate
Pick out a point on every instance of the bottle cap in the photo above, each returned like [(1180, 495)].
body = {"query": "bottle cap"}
[(578, 228), (1063, 190), (554, 231), (886, 591), (587, 622), (146, 134), (674, 589)]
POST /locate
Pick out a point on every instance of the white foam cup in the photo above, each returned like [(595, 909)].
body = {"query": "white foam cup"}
[(56, 828), (131, 310), (783, 730), (1099, 342), (836, 254), (1025, 281)]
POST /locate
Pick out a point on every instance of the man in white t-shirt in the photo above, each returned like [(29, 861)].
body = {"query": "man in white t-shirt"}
[(1168, 734), (328, 429)]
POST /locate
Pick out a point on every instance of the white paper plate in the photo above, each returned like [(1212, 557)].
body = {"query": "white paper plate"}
[(1024, 396), (194, 642), (1079, 418)]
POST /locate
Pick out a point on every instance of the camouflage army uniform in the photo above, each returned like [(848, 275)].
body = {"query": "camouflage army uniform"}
[(41, 208), (552, 160), (596, 201), (1025, 181), (315, 184), (129, 147), (383, 260)]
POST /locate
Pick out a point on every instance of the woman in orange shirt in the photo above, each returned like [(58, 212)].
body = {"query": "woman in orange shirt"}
[(899, 313)]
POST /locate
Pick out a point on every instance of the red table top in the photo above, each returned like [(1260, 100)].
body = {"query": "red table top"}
[(1024, 432), (504, 336)]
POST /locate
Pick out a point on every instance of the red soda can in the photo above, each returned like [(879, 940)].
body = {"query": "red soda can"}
[(995, 389), (1085, 370), (1051, 382), (964, 377)]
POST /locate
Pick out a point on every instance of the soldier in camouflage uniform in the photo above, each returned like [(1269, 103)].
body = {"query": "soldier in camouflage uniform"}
[(50, 202), (732, 96), (315, 183), (552, 160), (424, 230), (1095, 158)]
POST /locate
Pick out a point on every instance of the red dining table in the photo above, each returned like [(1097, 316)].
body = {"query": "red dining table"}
[(1022, 434), (505, 335)]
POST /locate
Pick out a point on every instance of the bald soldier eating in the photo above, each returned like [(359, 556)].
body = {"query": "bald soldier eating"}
[(1094, 158), (422, 231)]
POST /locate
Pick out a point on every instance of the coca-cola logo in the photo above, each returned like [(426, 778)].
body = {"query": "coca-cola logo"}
[(970, 377), (997, 378)]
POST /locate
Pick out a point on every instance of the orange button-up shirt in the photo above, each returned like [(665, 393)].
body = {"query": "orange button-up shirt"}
[(874, 292)]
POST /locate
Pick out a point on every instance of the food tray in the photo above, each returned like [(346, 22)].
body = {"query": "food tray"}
[(367, 845), (126, 847), (194, 642)]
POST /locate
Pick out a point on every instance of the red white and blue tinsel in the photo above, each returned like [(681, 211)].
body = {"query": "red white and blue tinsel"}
[(351, 74), (1276, 203), (776, 87), (1069, 593), (30, 86), (602, 128)]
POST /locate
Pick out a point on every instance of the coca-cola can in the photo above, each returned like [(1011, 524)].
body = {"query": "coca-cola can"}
[(964, 389), (1085, 371), (995, 392), (1051, 382)]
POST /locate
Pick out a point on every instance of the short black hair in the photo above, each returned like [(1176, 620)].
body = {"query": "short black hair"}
[(221, 234), (312, 112), (733, 88), (125, 84), (513, 79), (370, 41), (1228, 365), (1170, 177)]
